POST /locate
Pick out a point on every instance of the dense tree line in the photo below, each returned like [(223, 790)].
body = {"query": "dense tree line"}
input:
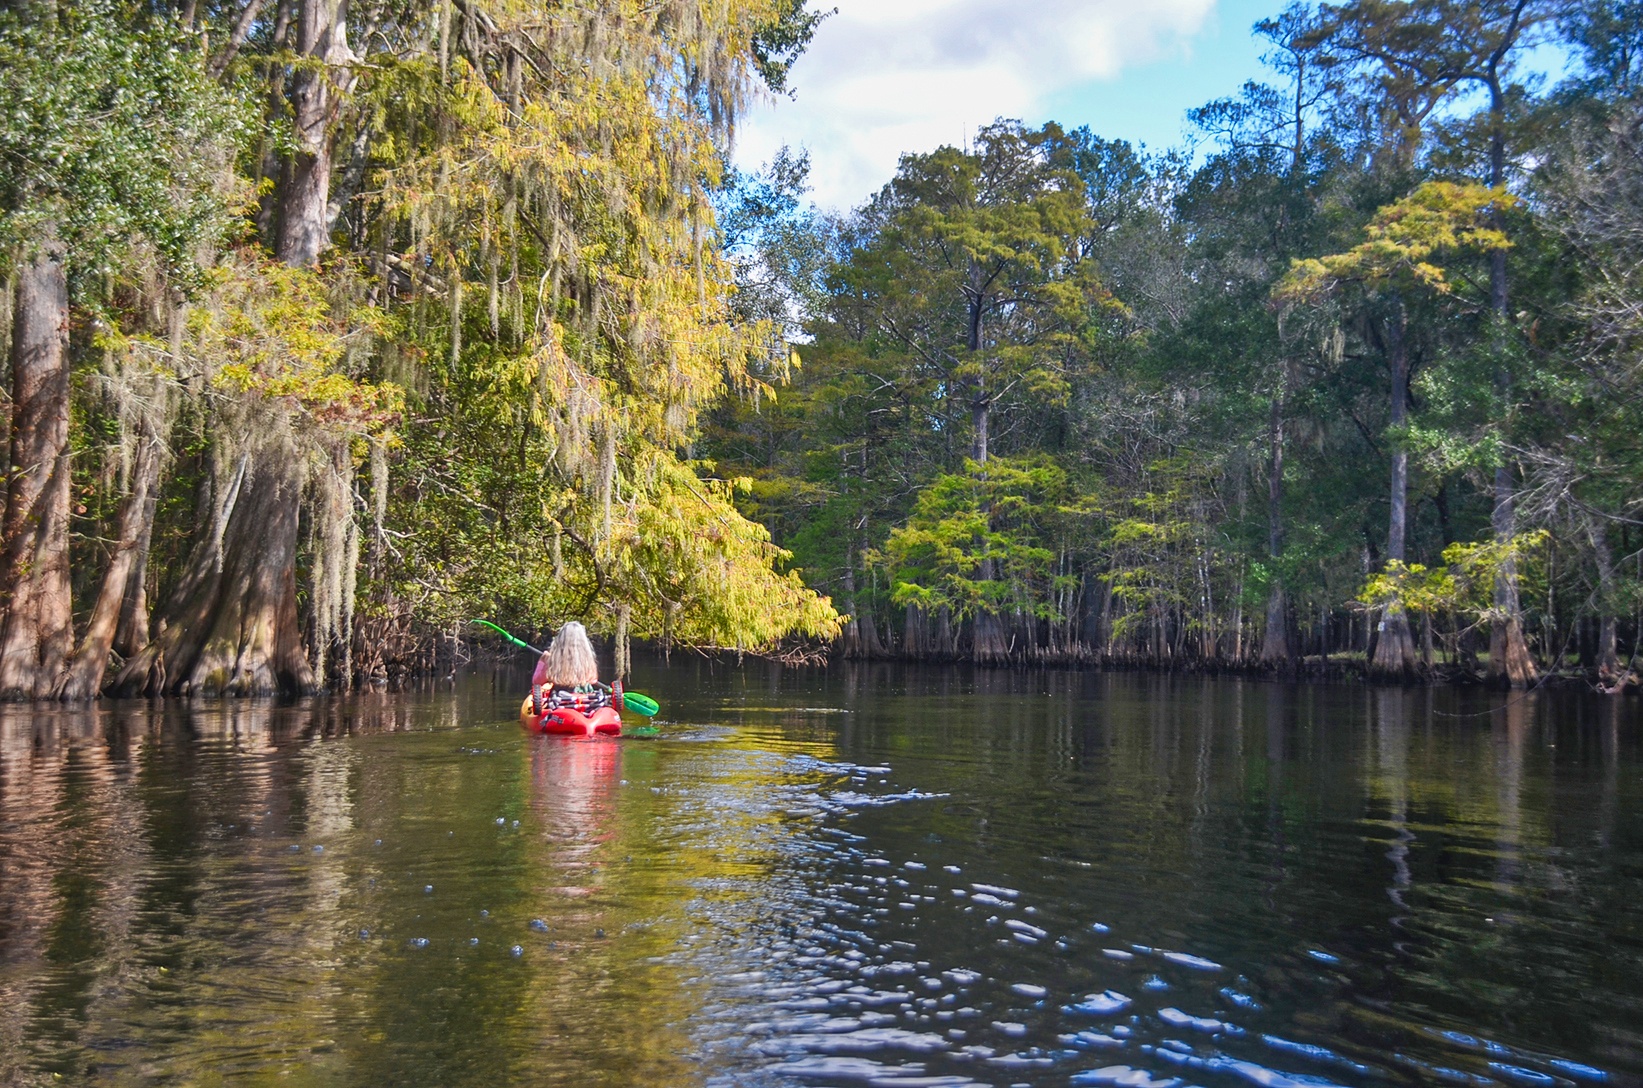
[(333, 323), (1353, 382)]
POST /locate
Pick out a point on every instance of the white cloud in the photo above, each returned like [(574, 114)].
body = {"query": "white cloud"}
[(887, 76)]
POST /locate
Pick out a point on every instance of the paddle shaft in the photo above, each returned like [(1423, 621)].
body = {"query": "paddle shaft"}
[(510, 638)]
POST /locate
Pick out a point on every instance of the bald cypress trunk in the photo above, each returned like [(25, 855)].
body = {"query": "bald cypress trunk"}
[(231, 626), (1275, 651), (1509, 658), (304, 223), (1393, 656), (37, 628), (125, 566)]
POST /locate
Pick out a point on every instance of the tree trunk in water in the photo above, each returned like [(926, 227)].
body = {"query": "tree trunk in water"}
[(915, 641), (232, 624), (990, 646), (1509, 658), (1275, 651), (1608, 656), (871, 645), (861, 635), (127, 564), (131, 633), (37, 629), (1275, 646), (1394, 651), (941, 643)]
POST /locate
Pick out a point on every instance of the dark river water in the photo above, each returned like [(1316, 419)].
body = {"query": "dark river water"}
[(854, 876)]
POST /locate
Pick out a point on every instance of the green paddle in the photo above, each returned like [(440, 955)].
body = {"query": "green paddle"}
[(504, 634), (642, 705)]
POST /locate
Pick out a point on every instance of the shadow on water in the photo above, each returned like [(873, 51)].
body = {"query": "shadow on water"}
[(866, 874)]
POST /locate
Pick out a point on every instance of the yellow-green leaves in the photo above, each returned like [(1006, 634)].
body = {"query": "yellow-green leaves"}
[(266, 330), (565, 282), (1464, 587), (1404, 241)]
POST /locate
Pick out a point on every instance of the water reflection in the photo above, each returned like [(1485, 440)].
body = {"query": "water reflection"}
[(869, 875)]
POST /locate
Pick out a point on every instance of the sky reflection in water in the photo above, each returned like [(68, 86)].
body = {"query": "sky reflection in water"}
[(862, 876)]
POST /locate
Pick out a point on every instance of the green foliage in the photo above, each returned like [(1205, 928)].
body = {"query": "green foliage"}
[(981, 541), (1464, 586), (1403, 240), (112, 138)]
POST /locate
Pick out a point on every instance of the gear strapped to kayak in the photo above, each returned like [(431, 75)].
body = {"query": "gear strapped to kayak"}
[(581, 711)]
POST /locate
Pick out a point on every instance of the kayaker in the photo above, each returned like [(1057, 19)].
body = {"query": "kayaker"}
[(567, 674)]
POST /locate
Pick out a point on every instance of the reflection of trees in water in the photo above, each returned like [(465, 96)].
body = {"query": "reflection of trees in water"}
[(69, 854), (155, 920), (137, 897)]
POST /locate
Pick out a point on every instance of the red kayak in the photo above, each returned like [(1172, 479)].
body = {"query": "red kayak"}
[(570, 721)]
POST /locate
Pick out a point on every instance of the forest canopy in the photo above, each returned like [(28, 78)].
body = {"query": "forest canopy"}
[(1349, 383), (334, 324)]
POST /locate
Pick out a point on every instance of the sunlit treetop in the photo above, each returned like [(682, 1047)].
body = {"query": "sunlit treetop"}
[(1403, 240)]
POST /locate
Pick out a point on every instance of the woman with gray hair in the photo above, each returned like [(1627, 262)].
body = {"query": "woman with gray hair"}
[(566, 695), (568, 662)]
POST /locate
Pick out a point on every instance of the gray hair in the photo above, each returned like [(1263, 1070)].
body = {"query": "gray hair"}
[(570, 660)]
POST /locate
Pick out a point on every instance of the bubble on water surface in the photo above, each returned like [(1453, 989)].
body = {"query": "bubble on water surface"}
[(539, 925), (1175, 1018), (419, 942), (1520, 1075), (1321, 1054), (1197, 963), (517, 950), (1577, 1070), (1124, 1076), (833, 1068), (1101, 1004), (1155, 983)]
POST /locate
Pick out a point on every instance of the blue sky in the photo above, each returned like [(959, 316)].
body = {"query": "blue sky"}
[(887, 76), (1147, 102)]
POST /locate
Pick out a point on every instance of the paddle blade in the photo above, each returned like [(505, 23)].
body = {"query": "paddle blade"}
[(640, 704)]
